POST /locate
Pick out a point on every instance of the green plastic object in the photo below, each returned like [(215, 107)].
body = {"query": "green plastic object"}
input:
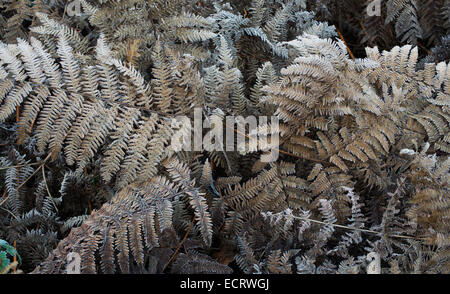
[(7, 253)]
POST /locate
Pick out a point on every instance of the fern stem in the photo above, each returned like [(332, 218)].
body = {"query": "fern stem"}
[(355, 229), (179, 246), (46, 186), (345, 43), (27, 179), (20, 165)]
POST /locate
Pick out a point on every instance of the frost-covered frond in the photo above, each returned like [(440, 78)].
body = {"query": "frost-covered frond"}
[(128, 230), (76, 112)]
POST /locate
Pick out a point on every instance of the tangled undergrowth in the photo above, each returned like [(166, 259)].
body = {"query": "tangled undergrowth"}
[(89, 90)]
